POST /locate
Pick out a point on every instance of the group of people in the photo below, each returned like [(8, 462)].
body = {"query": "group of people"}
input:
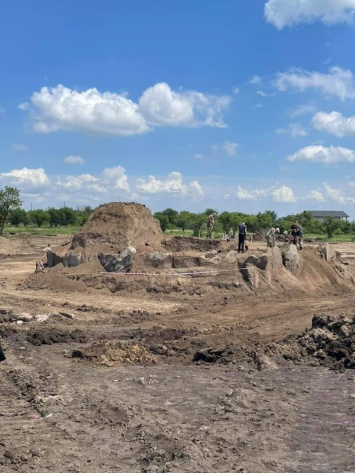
[(295, 236)]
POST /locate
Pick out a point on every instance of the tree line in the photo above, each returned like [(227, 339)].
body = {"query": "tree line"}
[(11, 212), (260, 223)]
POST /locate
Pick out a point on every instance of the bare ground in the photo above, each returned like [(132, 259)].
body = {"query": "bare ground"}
[(102, 377)]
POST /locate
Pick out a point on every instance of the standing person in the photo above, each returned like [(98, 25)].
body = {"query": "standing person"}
[(210, 224), (48, 255), (295, 232), (271, 237), (241, 237), (2, 354)]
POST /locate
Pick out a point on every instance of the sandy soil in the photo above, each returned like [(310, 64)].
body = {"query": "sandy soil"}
[(127, 373)]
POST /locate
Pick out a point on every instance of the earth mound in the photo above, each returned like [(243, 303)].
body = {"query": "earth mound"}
[(330, 342), (112, 228)]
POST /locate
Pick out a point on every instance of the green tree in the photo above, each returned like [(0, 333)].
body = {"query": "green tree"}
[(39, 217), (67, 216), (330, 225), (185, 220), (17, 216), (171, 214), (54, 217), (9, 200), (163, 220)]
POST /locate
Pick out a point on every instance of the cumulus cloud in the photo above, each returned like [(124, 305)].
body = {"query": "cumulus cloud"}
[(323, 154), (252, 194), (92, 111), (295, 112), (255, 80), (61, 108), (117, 178), (281, 194), (25, 178), (281, 13), (294, 129), (74, 159), (337, 195), (83, 182), (315, 195), (173, 184), (334, 123), (337, 82), (161, 106)]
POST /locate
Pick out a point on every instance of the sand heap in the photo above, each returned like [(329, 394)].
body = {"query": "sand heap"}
[(111, 229)]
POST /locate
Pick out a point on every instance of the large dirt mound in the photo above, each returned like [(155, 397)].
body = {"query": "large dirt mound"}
[(112, 228), (330, 342)]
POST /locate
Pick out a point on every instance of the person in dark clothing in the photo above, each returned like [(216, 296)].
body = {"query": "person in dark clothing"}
[(2, 354), (241, 237), (295, 232)]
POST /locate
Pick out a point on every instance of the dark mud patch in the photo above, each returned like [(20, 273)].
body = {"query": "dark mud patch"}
[(330, 342), (49, 336)]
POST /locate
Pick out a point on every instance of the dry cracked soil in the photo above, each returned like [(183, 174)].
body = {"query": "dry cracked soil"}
[(141, 374)]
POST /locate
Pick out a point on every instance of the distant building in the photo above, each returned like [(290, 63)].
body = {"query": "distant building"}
[(322, 214)]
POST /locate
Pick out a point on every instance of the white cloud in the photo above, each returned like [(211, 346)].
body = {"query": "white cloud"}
[(230, 148), (19, 147), (334, 123), (264, 94), (281, 13), (173, 184), (255, 80), (60, 108), (315, 195), (161, 106), (253, 194), (337, 82), (337, 195), (25, 178), (74, 159), (323, 154), (2, 110), (283, 195), (236, 91), (301, 110), (294, 129), (117, 177), (83, 182)]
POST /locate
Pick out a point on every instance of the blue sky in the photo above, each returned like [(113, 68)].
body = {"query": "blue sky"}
[(237, 105)]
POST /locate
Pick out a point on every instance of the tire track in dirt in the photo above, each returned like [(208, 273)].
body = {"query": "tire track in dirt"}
[(324, 438), (34, 439)]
